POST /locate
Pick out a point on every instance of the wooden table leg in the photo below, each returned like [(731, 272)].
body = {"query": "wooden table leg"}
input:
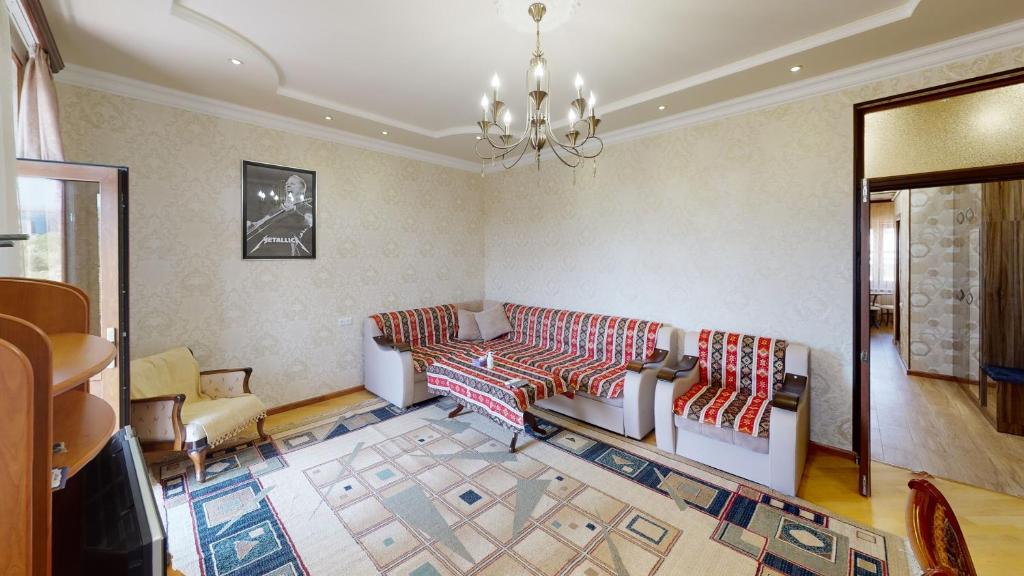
[(512, 445), (532, 421), (454, 413)]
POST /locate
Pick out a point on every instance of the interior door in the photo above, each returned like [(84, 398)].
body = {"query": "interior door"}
[(862, 438), (75, 216)]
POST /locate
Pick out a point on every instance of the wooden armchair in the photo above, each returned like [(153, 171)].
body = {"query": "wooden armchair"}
[(177, 407), (935, 535)]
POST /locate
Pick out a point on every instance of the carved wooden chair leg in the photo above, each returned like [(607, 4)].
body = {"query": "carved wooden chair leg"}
[(512, 445), (199, 461), (259, 428), (456, 411)]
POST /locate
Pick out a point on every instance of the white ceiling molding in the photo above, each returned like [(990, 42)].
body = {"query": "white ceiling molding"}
[(1003, 37), (885, 18), (991, 40), (120, 85), (901, 12), (209, 24)]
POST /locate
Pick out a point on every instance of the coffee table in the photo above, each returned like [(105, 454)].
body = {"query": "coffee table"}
[(503, 393)]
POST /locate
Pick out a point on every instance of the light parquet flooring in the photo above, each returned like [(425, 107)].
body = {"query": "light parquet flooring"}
[(993, 523), (934, 426)]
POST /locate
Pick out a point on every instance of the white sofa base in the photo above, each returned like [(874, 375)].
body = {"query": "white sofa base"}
[(588, 410), (730, 458)]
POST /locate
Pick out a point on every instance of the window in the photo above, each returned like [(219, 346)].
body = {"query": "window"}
[(41, 207), (884, 245)]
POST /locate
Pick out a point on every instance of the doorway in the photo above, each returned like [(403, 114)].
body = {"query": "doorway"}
[(76, 219), (953, 143)]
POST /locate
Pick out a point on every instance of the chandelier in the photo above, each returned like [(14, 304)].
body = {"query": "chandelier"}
[(497, 143)]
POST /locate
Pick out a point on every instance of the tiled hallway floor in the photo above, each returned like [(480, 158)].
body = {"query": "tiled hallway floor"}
[(932, 425)]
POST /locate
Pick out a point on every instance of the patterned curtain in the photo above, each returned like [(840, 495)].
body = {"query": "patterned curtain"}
[(38, 118)]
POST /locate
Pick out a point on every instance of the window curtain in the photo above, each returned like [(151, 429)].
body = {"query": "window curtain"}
[(10, 258), (38, 120), (883, 247)]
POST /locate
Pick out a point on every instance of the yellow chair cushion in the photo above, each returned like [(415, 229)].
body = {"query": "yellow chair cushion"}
[(172, 372)]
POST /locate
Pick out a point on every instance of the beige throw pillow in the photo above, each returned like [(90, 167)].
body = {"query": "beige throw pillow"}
[(493, 323), (468, 330)]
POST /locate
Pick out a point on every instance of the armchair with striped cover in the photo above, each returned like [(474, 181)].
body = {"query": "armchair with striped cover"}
[(739, 403)]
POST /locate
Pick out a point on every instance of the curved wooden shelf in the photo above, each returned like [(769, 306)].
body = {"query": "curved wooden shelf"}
[(84, 423), (76, 358)]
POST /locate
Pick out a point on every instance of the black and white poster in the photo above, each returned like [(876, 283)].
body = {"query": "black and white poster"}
[(278, 212)]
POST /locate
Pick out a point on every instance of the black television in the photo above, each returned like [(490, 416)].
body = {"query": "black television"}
[(119, 529)]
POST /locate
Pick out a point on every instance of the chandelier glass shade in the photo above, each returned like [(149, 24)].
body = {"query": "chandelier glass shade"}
[(498, 142)]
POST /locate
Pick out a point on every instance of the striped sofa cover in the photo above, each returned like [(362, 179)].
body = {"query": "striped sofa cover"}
[(603, 368), (587, 352), (431, 333)]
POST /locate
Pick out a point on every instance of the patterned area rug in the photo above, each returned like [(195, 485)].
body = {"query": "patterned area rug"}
[(419, 494)]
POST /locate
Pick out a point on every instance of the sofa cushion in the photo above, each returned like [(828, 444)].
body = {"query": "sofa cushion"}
[(492, 323), (751, 364), (168, 373), (594, 378), (423, 356), (220, 419), (419, 326), (732, 409), (534, 356), (468, 328)]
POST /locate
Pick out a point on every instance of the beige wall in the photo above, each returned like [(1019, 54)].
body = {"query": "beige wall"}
[(978, 129), (390, 233), (742, 224)]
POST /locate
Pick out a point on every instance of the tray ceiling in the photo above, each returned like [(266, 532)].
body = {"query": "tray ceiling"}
[(417, 69)]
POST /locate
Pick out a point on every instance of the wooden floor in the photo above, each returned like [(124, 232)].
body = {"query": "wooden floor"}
[(993, 523), (934, 426)]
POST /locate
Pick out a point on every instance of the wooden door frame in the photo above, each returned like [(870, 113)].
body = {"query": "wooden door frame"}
[(862, 189), (109, 179)]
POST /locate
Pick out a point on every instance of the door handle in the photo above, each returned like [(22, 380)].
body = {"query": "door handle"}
[(970, 298), (8, 240), (961, 295), (960, 217)]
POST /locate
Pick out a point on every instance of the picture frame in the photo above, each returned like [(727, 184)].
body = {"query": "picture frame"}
[(278, 212)]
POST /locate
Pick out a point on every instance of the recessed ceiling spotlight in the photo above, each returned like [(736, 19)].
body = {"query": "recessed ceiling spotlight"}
[(383, 132), (235, 61), (796, 68), (328, 117), (662, 107)]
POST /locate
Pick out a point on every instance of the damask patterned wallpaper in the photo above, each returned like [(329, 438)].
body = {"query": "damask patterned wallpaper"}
[(740, 224), (391, 233), (944, 260)]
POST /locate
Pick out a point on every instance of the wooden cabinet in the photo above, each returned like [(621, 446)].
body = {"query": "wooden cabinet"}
[(46, 360), (1002, 284)]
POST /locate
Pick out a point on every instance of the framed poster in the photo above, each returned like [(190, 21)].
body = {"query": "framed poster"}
[(278, 212)]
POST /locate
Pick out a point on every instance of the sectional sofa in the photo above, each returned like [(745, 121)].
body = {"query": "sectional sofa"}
[(609, 362)]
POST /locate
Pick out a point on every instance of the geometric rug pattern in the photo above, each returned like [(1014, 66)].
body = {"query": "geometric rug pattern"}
[(419, 494)]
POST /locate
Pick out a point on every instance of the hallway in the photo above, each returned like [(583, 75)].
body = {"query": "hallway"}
[(931, 425)]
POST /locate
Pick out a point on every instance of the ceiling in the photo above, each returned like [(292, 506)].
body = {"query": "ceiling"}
[(417, 69)]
